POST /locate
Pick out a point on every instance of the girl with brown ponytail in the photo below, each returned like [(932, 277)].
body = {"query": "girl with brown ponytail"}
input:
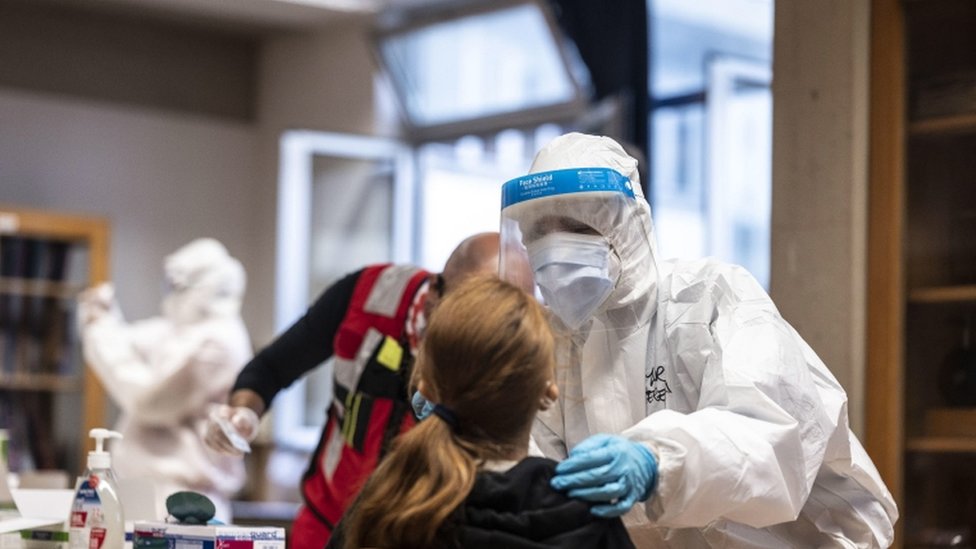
[(462, 478)]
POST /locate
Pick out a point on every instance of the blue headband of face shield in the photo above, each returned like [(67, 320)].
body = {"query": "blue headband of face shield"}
[(573, 180)]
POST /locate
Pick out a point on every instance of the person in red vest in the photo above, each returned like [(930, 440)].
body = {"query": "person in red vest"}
[(371, 321)]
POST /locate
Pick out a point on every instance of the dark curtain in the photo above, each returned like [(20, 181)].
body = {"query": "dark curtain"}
[(612, 39)]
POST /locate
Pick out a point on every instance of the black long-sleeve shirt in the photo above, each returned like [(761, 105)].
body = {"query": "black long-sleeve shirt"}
[(305, 345)]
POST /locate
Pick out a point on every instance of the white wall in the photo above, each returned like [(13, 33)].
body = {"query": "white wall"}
[(160, 178), (820, 148), (317, 80), (163, 178)]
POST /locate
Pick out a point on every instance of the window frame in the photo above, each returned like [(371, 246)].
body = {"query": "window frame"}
[(398, 21), (297, 151)]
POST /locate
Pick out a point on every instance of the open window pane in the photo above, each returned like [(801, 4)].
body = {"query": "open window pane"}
[(465, 66), (344, 204), (712, 129)]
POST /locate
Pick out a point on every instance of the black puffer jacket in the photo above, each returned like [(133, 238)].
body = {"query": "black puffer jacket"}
[(517, 509)]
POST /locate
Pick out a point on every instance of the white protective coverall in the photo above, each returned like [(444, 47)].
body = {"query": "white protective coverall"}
[(165, 372), (692, 358)]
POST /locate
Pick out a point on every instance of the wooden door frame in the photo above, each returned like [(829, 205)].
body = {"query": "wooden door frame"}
[(884, 438)]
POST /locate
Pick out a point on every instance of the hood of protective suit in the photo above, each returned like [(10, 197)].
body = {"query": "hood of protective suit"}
[(624, 222), (203, 281)]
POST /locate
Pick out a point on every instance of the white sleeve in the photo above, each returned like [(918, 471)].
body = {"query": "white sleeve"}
[(751, 451), (201, 375), (544, 442), (107, 345)]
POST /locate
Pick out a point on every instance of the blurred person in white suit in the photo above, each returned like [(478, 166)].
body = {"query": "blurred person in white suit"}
[(166, 372)]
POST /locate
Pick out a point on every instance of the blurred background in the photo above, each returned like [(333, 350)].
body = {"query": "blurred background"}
[(314, 136)]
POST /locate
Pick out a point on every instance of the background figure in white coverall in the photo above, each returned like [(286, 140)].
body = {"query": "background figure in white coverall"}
[(165, 372), (681, 386)]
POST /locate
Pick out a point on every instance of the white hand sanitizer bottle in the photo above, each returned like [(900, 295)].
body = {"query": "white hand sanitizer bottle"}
[(96, 520)]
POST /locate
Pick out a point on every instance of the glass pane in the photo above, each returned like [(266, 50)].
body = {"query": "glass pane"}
[(465, 203), (351, 226), (740, 165), (685, 33), (40, 354), (711, 129), (678, 175), (478, 65), (351, 223), (461, 184)]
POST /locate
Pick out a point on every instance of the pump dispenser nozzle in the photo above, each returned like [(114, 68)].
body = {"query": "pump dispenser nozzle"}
[(99, 458), (96, 518)]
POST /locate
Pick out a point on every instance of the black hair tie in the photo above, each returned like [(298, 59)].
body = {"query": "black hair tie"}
[(445, 414)]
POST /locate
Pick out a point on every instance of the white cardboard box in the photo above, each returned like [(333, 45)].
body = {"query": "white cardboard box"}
[(43, 511), (162, 535), (38, 508)]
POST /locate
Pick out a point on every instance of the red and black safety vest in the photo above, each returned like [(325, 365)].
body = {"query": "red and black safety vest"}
[(370, 404)]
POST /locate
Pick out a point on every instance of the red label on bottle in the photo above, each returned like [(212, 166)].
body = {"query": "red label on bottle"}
[(78, 519), (97, 538)]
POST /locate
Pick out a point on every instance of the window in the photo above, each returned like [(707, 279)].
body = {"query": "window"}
[(478, 66), (476, 118), (739, 119), (348, 201), (711, 129), (459, 184), (341, 206)]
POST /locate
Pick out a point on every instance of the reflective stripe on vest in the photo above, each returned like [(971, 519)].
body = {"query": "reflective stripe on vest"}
[(369, 405)]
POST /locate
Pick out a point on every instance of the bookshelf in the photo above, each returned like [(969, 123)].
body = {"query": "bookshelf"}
[(942, 125), (921, 407), (48, 398)]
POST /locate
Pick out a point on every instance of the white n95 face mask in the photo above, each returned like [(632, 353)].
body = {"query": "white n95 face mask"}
[(575, 273)]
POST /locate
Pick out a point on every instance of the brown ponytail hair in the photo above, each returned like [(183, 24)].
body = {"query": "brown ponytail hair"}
[(487, 356)]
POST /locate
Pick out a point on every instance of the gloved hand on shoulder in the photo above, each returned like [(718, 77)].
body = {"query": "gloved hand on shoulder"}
[(231, 429), (609, 469)]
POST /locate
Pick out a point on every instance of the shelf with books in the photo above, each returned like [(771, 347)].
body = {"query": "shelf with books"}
[(944, 125), (48, 398), (921, 411), (943, 294), (40, 382), (42, 288), (941, 444)]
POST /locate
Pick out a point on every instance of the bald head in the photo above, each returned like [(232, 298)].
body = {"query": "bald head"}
[(474, 255)]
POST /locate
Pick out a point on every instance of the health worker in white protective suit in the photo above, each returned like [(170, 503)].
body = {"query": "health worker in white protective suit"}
[(166, 372), (680, 384)]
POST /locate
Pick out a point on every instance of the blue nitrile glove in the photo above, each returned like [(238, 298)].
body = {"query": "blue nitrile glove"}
[(421, 406), (608, 469)]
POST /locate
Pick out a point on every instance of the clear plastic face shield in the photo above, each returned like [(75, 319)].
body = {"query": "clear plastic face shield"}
[(581, 240)]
